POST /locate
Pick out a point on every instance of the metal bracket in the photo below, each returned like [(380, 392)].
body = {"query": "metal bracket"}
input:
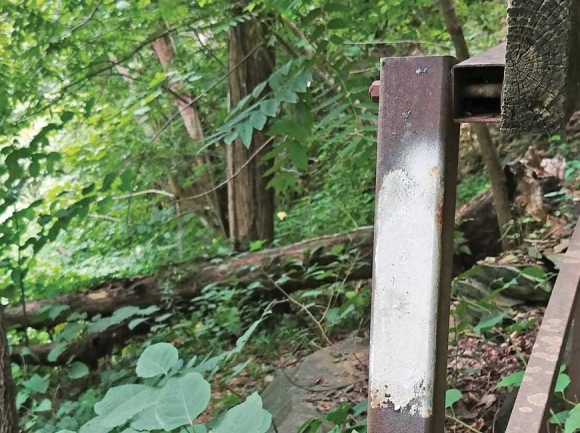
[(477, 87)]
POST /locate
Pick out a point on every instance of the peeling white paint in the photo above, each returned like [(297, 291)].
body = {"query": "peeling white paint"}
[(406, 281)]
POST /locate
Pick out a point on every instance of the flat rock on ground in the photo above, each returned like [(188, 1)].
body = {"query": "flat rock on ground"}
[(321, 380)]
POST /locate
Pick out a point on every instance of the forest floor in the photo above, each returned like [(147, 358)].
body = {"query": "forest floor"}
[(477, 361)]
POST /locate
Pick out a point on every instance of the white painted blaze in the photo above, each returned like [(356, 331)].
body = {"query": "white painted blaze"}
[(406, 277)]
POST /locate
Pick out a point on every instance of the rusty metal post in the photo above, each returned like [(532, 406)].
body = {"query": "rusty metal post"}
[(413, 249)]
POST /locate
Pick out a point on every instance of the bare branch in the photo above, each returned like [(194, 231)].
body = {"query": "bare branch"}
[(145, 192)]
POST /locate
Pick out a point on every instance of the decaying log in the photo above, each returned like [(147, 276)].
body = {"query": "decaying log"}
[(88, 350), (294, 260), (476, 220), (542, 72)]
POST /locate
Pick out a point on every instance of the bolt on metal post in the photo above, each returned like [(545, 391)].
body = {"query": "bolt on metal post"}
[(414, 222)]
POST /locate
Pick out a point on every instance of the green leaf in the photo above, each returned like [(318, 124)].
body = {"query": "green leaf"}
[(337, 23), (258, 120), (269, 107), (95, 426), (182, 400), (300, 82), (122, 403), (286, 95), (156, 360), (56, 309), (108, 181), (245, 131), (66, 116), (310, 426), (297, 155), (559, 418), (562, 382), (535, 272), (149, 310), (136, 322), (88, 189), (21, 398), (56, 351), (488, 322), (77, 370), (245, 418), (229, 139), (44, 406), (514, 379), (37, 384), (34, 168), (312, 15), (291, 128), (452, 396), (146, 420), (259, 89), (573, 422), (338, 415)]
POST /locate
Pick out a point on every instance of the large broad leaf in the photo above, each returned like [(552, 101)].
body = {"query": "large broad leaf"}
[(146, 420), (157, 360), (248, 417), (182, 400), (124, 402), (37, 384), (95, 426), (573, 421)]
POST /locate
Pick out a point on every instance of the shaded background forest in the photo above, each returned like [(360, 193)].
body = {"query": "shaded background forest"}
[(162, 162)]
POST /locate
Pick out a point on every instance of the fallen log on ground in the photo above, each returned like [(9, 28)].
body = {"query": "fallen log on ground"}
[(476, 220), (88, 349)]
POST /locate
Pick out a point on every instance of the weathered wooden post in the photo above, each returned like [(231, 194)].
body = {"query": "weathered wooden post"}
[(414, 222), (542, 66)]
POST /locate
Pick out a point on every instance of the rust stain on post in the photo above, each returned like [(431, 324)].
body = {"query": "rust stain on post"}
[(416, 180)]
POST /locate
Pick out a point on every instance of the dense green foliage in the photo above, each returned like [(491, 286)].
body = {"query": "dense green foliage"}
[(89, 136)]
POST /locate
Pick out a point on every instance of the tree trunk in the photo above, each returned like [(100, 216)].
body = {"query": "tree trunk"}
[(250, 201), (486, 146), (165, 52), (8, 416)]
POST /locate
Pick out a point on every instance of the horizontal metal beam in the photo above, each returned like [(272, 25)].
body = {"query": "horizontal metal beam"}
[(477, 87), (533, 401)]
